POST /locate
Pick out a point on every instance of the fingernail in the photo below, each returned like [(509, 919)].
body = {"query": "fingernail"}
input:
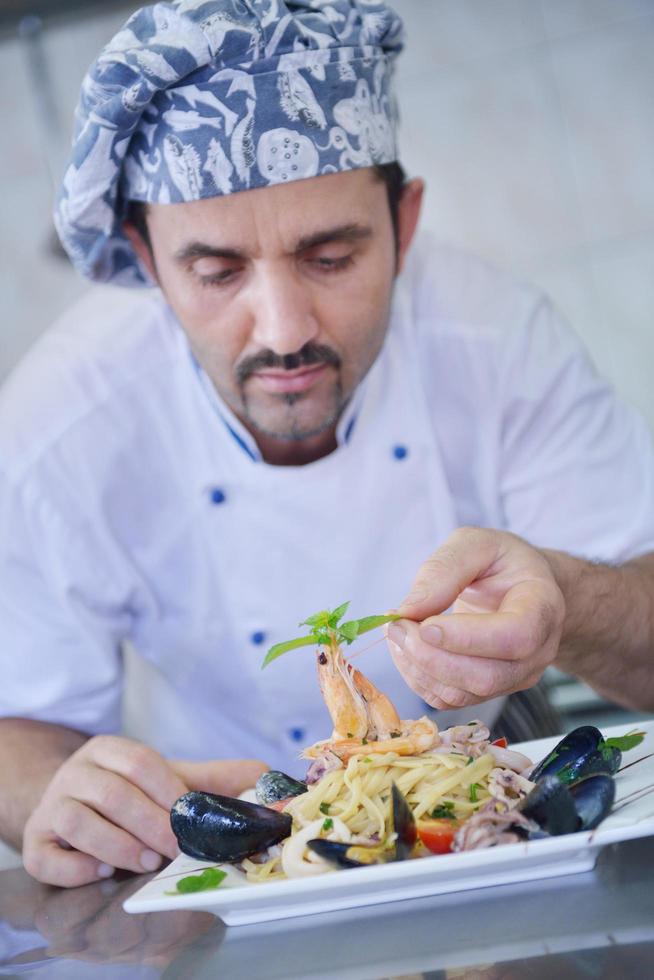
[(105, 871), (432, 635), (414, 598), (397, 635), (150, 860)]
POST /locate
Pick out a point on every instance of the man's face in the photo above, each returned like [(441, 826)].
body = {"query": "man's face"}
[(284, 294)]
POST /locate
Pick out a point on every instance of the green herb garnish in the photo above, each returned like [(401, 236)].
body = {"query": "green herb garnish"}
[(325, 630), (473, 792), (207, 879), (625, 742), (470, 761), (444, 811), (327, 824), (324, 808)]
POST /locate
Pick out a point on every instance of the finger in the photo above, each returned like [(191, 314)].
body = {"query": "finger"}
[(466, 555), (139, 764), (126, 806), (425, 683), (88, 832), (458, 680), (50, 863), (227, 777), (529, 619)]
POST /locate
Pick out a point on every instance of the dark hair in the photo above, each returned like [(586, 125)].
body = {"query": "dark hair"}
[(391, 174)]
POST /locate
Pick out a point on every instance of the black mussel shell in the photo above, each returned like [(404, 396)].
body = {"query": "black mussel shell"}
[(551, 806), (404, 825), (274, 786), (345, 855), (606, 759), (593, 798), (220, 828), (580, 752)]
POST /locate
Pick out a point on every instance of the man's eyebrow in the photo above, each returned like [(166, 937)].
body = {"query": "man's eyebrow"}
[(201, 250), (343, 233)]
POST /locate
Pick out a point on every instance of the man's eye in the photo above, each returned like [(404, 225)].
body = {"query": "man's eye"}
[(326, 264), (217, 278)]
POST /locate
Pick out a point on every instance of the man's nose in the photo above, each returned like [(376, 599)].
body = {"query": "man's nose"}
[(283, 316)]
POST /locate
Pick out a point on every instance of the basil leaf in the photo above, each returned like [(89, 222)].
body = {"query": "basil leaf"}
[(625, 742), (349, 630), (372, 622), (209, 878), (279, 648), (338, 613), (318, 619)]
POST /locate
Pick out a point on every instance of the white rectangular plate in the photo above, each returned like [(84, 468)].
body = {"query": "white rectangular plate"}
[(238, 901)]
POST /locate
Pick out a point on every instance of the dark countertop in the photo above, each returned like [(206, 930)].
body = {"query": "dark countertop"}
[(595, 924)]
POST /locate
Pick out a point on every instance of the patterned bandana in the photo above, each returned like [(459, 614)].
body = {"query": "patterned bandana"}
[(194, 99)]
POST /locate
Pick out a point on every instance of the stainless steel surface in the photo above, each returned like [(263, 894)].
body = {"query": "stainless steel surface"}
[(598, 924)]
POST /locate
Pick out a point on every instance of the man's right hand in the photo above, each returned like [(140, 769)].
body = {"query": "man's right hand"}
[(107, 807)]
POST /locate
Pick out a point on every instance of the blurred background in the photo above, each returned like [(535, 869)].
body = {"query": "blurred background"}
[(530, 119)]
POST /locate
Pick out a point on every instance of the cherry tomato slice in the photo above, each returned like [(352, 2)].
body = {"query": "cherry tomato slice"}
[(437, 834), (502, 742)]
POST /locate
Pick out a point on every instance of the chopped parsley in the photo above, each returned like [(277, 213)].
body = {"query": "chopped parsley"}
[(473, 792), (470, 760), (324, 808), (327, 824), (444, 811)]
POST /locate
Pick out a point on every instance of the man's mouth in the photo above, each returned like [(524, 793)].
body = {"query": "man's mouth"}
[(280, 382)]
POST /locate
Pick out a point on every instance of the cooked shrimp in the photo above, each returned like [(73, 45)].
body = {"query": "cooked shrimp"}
[(413, 738), (365, 719)]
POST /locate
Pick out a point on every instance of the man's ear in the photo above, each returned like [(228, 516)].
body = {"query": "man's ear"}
[(142, 248), (408, 212)]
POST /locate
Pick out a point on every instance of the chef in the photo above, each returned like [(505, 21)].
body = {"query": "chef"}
[(292, 400)]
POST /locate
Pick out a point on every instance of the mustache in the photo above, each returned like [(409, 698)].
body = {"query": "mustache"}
[(308, 356)]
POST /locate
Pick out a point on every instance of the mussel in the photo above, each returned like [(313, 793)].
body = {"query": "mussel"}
[(348, 855), (593, 797), (273, 786), (220, 828), (551, 807), (556, 809), (581, 752), (357, 855)]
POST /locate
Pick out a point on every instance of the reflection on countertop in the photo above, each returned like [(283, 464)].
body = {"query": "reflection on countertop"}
[(599, 923)]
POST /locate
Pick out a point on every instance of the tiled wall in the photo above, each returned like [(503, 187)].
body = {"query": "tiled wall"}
[(531, 121)]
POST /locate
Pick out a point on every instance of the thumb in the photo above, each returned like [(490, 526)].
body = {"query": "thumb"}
[(228, 777), (464, 557)]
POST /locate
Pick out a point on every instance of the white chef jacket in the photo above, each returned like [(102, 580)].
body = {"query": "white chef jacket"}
[(134, 507)]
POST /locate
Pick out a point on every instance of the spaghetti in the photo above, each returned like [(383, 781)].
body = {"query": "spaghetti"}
[(352, 803)]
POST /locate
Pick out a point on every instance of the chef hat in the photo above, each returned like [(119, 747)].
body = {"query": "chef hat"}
[(194, 99)]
